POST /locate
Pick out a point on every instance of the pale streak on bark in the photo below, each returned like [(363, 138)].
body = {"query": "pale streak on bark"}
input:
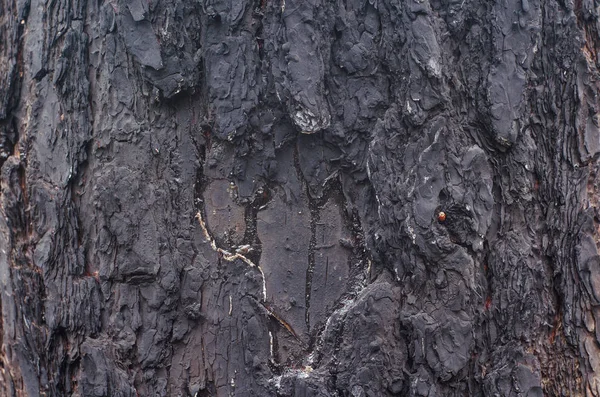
[(228, 256)]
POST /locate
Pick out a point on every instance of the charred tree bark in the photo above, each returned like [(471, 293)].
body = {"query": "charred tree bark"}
[(244, 198)]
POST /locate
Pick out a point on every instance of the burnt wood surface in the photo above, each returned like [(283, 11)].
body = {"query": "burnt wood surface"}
[(244, 198)]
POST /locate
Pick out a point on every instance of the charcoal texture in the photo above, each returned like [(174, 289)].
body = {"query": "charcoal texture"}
[(244, 198)]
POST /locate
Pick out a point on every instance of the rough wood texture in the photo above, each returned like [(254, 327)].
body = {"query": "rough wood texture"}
[(237, 198)]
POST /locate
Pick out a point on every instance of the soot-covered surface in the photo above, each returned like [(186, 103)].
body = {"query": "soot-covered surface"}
[(242, 198)]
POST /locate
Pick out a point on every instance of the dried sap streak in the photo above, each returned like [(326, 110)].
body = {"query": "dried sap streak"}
[(228, 256)]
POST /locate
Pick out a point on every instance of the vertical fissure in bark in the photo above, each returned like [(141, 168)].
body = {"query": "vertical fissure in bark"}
[(310, 270)]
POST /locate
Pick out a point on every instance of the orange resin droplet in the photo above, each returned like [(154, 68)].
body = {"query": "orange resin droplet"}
[(442, 216)]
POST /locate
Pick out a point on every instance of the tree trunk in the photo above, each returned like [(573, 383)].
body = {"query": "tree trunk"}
[(299, 198)]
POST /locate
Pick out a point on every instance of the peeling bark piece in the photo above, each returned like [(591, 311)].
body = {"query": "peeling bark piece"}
[(99, 374), (426, 50), (303, 68), (138, 9), (506, 89), (588, 117), (515, 41), (140, 40), (231, 76)]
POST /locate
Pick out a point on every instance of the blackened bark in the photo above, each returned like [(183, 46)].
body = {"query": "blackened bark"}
[(236, 198)]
